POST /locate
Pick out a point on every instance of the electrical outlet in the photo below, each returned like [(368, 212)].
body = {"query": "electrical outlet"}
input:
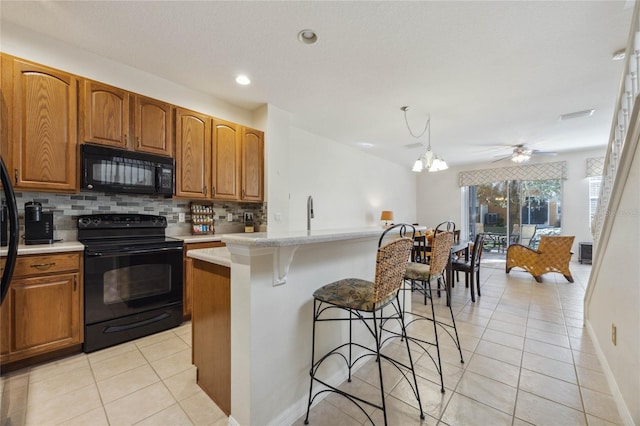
[(181, 217), (229, 217), (614, 334)]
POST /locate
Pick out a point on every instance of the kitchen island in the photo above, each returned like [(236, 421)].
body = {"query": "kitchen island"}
[(272, 279)]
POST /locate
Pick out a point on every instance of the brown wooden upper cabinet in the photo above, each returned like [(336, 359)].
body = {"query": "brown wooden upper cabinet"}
[(106, 119), (252, 165), (40, 108), (193, 145), (225, 160)]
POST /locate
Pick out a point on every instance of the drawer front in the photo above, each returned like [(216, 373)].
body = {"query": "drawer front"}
[(46, 264)]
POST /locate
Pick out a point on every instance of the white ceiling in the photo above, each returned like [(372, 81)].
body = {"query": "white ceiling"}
[(489, 72)]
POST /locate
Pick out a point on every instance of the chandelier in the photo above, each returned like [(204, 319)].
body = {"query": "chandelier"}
[(428, 160)]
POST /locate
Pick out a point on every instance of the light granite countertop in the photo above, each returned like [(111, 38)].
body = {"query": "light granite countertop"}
[(188, 239), (59, 247), (281, 239), (218, 255)]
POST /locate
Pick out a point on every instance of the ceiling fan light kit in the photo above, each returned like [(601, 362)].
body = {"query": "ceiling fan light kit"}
[(428, 160)]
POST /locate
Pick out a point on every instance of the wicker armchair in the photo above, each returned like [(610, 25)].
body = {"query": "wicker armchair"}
[(553, 255)]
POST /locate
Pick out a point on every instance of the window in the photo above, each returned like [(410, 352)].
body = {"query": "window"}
[(594, 195)]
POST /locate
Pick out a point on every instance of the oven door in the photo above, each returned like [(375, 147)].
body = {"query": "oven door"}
[(121, 282)]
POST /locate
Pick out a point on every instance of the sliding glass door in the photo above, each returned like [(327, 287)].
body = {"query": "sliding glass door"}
[(515, 211)]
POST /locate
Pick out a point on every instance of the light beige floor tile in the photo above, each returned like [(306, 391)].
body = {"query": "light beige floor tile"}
[(104, 354), (14, 417), (399, 413), (507, 327), (325, 414), (63, 407), (596, 421), (14, 394), (547, 337), (519, 422), (553, 389), (360, 389), (543, 412), (600, 405), (171, 416), (433, 401), (113, 366), (173, 364), (487, 391), (494, 369), (369, 373), (547, 326), (117, 386), (57, 368), (183, 384), (95, 417), (466, 411), (183, 328), (510, 318), (582, 344), (586, 360), (163, 348), (503, 353), (43, 390), (202, 410), (452, 372), (139, 405), (550, 351), (550, 367), (506, 339), (593, 380)]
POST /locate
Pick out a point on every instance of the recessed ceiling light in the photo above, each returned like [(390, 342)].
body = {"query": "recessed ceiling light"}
[(577, 114), (307, 37), (243, 80)]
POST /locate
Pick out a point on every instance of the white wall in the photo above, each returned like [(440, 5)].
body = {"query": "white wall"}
[(616, 298), (349, 187), (438, 193)]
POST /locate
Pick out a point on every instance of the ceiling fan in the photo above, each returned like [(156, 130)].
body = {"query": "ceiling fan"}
[(521, 154)]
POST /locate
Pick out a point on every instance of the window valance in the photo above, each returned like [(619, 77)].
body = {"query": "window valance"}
[(543, 171), (595, 166)]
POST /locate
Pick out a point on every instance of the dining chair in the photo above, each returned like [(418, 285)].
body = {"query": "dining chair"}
[(471, 267), (364, 301)]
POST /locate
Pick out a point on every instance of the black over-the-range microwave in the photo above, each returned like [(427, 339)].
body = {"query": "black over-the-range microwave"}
[(119, 171)]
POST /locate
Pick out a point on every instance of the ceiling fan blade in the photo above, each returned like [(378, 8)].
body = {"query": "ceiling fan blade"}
[(502, 157), (536, 152)]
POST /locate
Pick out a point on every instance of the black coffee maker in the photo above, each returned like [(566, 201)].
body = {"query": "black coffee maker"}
[(38, 225)]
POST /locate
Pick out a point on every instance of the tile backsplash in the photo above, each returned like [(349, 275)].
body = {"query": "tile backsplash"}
[(67, 208)]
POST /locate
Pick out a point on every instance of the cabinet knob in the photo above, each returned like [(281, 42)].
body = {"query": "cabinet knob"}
[(213, 190), (138, 141), (15, 175), (204, 190)]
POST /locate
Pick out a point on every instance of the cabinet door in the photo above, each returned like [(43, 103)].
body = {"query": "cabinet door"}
[(193, 162), (252, 165), (104, 115), (42, 104), (225, 160), (187, 289), (45, 313), (152, 126)]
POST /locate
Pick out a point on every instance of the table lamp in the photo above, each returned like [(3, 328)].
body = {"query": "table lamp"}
[(386, 215)]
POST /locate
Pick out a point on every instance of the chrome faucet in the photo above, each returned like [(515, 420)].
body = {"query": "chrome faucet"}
[(309, 212)]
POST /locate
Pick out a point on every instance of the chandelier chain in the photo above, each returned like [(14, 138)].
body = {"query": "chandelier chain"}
[(426, 127)]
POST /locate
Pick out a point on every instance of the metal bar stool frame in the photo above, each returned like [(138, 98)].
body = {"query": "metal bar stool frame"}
[(443, 239), (374, 328)]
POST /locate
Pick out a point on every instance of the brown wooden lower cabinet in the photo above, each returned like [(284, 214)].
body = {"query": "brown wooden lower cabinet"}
[(211, 327), (43, 311), (187, 286)]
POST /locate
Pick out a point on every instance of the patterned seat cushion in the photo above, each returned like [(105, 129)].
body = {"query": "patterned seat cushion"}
[(418, 271), (352, 293)]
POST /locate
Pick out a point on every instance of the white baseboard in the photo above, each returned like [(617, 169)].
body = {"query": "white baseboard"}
[(623, 410)]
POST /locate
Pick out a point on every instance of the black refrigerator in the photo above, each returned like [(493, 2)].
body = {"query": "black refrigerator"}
[(9, 230)]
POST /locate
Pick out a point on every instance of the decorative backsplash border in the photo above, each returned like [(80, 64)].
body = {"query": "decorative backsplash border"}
[(67, 208)]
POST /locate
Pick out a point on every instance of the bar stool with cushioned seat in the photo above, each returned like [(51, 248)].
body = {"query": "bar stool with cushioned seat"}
[(422, 274), (364, 301)]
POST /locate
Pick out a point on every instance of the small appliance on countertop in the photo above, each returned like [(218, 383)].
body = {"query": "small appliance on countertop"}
[(38, 224)]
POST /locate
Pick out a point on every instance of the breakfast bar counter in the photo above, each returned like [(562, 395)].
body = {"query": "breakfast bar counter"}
[(272, 279)]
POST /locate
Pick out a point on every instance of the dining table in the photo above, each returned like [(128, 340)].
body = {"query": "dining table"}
[(422, 245)]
